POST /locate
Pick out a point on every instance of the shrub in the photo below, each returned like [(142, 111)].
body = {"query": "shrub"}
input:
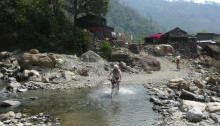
[(149, 72), (106, 50), (78, 41)]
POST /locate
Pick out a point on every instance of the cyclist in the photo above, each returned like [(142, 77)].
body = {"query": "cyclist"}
[(115, 79)]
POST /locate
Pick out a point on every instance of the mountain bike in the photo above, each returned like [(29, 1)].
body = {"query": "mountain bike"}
[(115, 86)]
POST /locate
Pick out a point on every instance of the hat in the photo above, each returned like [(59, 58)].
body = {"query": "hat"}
[(178, 57), (115, 66)]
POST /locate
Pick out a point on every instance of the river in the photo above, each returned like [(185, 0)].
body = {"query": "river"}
[(91, 107)]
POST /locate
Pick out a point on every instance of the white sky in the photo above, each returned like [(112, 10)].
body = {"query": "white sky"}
[(202, 1), (199, 1)]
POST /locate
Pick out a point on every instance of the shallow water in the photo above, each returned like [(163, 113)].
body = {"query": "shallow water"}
[(92, 107)]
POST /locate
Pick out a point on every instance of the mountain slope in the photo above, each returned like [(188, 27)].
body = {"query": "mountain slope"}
[(126, 19), (192, 17)]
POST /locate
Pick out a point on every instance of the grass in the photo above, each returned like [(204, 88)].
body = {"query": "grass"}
[(149, 72)]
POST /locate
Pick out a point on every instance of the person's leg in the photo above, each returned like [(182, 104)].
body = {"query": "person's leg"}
[(112, 90)]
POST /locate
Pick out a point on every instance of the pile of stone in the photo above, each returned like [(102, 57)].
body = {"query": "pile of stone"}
[(18, 119), (188, 100)]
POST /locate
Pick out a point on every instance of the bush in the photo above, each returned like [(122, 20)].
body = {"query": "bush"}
[(106, 50), (149, 72), (77, 41)]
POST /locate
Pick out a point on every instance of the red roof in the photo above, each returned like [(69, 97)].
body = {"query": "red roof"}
[(156, 35)]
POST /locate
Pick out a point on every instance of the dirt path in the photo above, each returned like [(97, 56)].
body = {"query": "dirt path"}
[(167, 72)]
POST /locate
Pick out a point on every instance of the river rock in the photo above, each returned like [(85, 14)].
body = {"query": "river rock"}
[(199, 84), (122, 65), (59, 62), (185, 85), (83, 72), (90, 56), (156, 101), (186, 95), (194, 114), (11, 79), (22, 88), (13, 85), (214, 80), (28, 73), (28, 60), (9, 115), (215, 117), (34, 51), (2, 124), (177, 80), (8, 103), (4, 55), (134, 48), (213, 107), (185, 105), (1, 75), (68, 75)]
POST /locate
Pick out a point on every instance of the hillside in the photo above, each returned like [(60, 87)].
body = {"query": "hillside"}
[(192, 17), (126, 19)]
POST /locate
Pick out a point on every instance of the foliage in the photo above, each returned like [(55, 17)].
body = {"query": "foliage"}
[(140, 38), (106, 50), (40, 24), (125, 19), (203, 31), (149, 72), (218, 39), (84, 7), (78, 41)]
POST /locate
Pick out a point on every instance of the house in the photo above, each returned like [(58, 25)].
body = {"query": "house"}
[(207, 36), (153, 39), (182, 42), (96, 25), (204, 39), (212, 51)]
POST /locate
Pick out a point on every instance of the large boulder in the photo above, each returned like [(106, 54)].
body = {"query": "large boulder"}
[(186, 95), (134, 48), (28, 60), (68, 75), (7, 116), (164, 49), (146, 63), (13, 86), (185, 105), (90, 56), (213, 107), (215, 80), (199, 84), (194, 114), (8, 103), (4, 55), (34, 51), (177, 80)]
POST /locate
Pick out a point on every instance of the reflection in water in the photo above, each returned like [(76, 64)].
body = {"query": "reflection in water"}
[(93, 107)]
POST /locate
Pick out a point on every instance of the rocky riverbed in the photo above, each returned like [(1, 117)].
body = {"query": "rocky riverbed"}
[(186, 97)]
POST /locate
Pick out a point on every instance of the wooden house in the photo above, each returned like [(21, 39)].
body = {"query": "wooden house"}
[(95, 24), (212, 51), (207, 36), (154, 39), (181, 41)]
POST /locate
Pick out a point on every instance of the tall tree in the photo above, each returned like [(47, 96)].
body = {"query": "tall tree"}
[(83, 7)]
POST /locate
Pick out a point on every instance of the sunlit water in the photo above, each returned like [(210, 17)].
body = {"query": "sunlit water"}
[(92, 107)]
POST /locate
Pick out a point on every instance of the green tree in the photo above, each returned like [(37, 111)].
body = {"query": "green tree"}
[(218, 39), (106, 50), (84, 7)]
